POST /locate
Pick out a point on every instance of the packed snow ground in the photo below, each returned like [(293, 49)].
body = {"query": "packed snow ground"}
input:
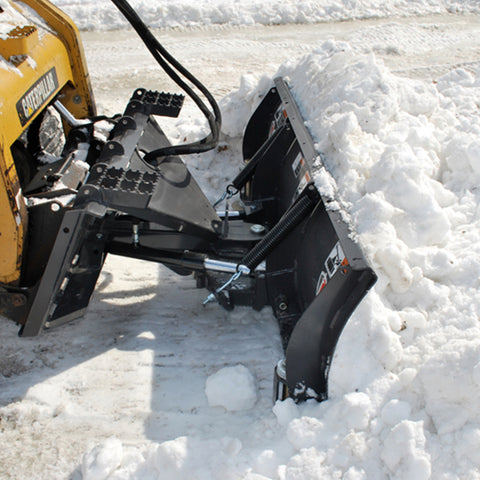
[(150, 385)]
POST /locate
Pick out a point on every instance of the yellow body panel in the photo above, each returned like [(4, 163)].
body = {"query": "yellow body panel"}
[(43, 63), (80, 101)]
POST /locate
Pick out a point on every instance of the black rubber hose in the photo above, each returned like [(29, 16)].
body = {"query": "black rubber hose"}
[(163, 55), (167, 61)]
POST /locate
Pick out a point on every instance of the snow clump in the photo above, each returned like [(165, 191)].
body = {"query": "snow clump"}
[(232, 388), (102, 460)]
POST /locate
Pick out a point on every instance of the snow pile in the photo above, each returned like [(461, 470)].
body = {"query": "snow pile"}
[(185, 13), (402, 158), (184, 458), (232, 388)]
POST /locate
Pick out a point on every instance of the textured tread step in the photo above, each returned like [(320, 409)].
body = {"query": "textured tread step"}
[(157, 103)]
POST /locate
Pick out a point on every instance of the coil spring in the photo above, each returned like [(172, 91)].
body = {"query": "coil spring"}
[(284, 226)]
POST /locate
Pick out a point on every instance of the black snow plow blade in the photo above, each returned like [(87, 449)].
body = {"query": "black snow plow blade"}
[(281, 245), (317, 275)]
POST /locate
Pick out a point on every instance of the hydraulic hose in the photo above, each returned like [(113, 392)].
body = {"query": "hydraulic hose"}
[(169, 65)]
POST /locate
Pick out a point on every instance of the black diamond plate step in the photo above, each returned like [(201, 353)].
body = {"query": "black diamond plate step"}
[(120, 180), (155, 103)]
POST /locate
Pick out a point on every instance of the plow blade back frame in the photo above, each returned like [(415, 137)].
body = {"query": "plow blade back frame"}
[(317, 275)]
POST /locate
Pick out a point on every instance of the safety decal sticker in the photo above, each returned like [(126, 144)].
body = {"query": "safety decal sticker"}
[(305, 180), (297, 165), (279, 120), (37, 96), (335, 260), (321, 283)]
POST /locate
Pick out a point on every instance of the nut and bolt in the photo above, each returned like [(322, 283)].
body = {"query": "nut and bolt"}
[(257, 229), (282, 303), (282, 306)]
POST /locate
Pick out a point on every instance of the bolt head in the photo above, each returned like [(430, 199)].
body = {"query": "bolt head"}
[(257, 229), (282, 306)]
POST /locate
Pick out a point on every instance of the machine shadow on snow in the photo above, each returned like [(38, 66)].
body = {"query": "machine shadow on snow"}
[(180, 343)]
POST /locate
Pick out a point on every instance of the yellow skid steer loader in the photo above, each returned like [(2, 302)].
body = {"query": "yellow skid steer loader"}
[(71, 193)]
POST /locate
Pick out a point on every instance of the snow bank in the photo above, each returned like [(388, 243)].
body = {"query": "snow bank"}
[(402, 158), (399, 152), (102, 15)]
